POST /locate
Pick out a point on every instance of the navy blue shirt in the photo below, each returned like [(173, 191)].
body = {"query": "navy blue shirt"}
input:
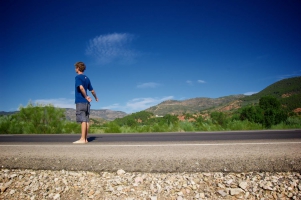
[(83, 80)]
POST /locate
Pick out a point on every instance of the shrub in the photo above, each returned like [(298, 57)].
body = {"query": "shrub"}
[(112, 127)]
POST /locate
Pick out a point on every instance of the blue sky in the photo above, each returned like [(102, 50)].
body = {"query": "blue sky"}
[(140, 53)]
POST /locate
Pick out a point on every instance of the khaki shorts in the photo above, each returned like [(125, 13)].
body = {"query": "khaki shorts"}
[(82, 112)]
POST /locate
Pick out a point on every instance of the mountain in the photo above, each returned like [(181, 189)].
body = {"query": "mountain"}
[(106, 114), (287, 91), (7, 113), (192, 105), (98, 115)]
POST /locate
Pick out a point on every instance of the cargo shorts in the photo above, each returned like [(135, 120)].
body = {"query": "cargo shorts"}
[(82, 112)]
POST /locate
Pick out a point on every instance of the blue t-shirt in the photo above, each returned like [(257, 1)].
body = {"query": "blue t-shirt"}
[(83, 80)]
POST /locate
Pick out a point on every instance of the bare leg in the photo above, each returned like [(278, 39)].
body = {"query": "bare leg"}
[(84, 131), (83, 138), (87, 131)]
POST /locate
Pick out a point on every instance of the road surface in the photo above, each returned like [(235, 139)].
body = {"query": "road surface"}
[(236, 151)]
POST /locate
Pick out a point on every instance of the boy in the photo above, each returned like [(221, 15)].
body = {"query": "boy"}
[(82, 100)]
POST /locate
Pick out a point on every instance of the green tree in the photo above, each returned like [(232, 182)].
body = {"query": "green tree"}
[(170, 119), (218, 118), (35, 119), (41, 118), (273, 113), (252, 114), (269, 112)]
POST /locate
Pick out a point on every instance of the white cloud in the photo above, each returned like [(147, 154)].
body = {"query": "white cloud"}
[(113, 106), (148, 85), (112, 47), (189, 82), (201, 81), (249, 93), (60, 102), (138, 104)]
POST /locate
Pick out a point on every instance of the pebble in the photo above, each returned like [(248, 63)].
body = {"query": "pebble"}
[(60, 185)]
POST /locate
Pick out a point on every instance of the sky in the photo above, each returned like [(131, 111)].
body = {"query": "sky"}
[(141, 53)]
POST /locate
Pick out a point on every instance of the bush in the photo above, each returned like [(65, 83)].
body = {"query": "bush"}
[(112, 127), (268, 112), (35, 119)]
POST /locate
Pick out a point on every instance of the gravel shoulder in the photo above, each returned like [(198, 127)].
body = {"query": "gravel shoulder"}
[(216, 170), (46, 184)]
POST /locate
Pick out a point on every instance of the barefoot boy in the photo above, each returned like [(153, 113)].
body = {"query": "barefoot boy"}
[(82, 100)]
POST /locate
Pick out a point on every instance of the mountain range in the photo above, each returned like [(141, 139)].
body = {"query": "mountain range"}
[(287, 91)]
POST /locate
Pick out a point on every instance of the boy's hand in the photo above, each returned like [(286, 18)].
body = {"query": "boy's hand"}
[(88, 99)]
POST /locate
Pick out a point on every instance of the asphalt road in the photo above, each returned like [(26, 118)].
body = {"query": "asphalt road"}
[(156, 137), (236, 151)]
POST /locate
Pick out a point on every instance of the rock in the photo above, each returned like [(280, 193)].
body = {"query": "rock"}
[(235, 191), (57, 197), (202, 195), (47, 184), (138, 180), (222, 193), (243, 185), (120, 172)]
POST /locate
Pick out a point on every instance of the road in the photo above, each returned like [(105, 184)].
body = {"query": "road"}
[(156, 137), (234, 151)]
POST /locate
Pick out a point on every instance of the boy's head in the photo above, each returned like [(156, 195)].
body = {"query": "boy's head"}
[(80, 66)]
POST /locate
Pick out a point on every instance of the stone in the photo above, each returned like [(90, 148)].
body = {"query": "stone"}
[(47, 184), (222, 193), (235, 191), (57, 197), (120, 172), (243, 185)]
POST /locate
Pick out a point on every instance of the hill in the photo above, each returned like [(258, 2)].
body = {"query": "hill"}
[(192, 105), (105, 114), (287, 91), (98, 115)]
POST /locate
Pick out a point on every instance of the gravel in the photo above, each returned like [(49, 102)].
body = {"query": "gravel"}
[(57, 185)]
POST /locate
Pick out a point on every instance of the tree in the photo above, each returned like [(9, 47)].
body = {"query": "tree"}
[(170, 119), (252, 114), (219, 118), (41, 118), (269, 112)]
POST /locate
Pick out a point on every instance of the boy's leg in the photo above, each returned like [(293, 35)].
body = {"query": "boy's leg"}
[(87, 131), (81, 117), (84, 132)]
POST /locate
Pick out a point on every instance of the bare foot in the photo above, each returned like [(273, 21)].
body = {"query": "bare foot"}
[(79, 142)]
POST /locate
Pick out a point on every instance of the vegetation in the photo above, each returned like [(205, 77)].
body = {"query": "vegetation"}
[(34, 119), (267, 114), (272, 108), (287, 91)]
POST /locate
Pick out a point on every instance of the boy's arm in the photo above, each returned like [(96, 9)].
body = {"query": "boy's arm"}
[(94, 94), (82, 90)]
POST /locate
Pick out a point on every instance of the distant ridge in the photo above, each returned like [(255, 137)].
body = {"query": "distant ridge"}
[(70, 113), (191, 105), (287, 91), (106, 114)]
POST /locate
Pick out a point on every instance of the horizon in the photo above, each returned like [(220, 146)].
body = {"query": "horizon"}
[(137, 111), (139, 54)]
